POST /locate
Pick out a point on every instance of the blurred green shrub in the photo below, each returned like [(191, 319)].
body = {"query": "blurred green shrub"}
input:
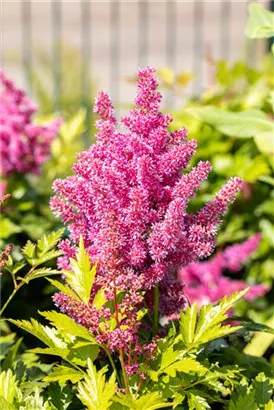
[(233, 123)]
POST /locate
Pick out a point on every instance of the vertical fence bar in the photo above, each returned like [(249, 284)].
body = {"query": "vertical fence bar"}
[(271, 40), (26, 42), (56, 8), (225, 29), (143, 37), (114, 49), (198, 45), (171, 31), (85, 65), (171, 37)]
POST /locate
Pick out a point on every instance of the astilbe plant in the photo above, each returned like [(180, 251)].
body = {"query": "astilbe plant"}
[(24, 145), (128, 201), (205, 282)]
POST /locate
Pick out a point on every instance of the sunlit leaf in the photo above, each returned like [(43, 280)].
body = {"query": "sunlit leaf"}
[(260, 22)]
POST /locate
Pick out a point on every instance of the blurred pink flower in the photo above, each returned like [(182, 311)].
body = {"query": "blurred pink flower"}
[(25, 146), (205, 283)]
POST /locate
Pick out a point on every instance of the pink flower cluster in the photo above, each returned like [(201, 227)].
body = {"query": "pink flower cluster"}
[(128, 199), (24, 145), (205, 283)]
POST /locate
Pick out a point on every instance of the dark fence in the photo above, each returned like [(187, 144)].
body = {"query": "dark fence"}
[(182, 26)]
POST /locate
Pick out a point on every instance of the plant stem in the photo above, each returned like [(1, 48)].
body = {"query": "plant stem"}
[(17, 287), (121, 353), (121, 357), (112, 363), (15, 290), (156, 310)]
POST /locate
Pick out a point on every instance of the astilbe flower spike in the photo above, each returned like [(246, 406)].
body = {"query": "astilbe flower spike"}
[(128, 200), (205, 283), (24, 145)]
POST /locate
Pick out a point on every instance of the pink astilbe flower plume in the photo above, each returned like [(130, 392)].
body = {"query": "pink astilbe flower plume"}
[(128, 200), (25, 146), (205, 283)]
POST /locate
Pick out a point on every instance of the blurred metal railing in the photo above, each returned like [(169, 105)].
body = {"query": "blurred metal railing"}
[(142, 50)]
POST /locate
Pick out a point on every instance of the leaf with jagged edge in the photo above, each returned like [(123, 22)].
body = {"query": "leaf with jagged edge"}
[(99, 299), (207, 326), (41, 273), (242, 401), (66, 290), (63, 374), (186, 365), (35, 401), (174, 361), (18, 266), (263, 388), (46, 257), (196, 402), (81, 352), (95, 392), (47, 335), (67, 325), (29, 251), (53, 351), (150, 401), (8, 386), (82, 276), (47, 242), (59, 396)]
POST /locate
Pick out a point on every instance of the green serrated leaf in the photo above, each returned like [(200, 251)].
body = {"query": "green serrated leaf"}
[(46, 257), (66, 290), (54, 351), (263, 389), (82, 276), (186, 365), (79, 354), (190, 321), (63, 374), (29, 252), (41, 273), (47, 335), (18, 266), (208, 325), (8, 386), (67, 325), (35, 401), (197, 402), (242, 401), (59, 396), (95, 392), (150, 401), (99, 299), (47, 242)]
